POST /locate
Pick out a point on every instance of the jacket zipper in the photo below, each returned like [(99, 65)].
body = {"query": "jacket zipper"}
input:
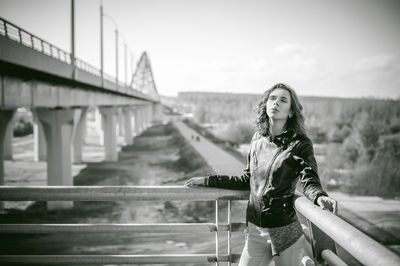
[(268, 172)]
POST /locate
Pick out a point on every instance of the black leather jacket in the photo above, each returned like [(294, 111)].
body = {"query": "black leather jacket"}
[(273, 168)]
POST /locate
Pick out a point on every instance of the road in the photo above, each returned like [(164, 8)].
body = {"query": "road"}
[(219, 160)]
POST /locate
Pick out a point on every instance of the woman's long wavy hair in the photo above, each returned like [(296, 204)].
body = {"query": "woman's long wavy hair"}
[(295, 122)]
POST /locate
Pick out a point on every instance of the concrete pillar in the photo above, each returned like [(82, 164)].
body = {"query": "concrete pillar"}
[(109, 115), (8, 139), (133, 122), (39, 141), (147, 112), (143, 123), (154, 111), (5, 118), (98, 118), (121, 122), (137, 121), (79, 133), (151, 114), (158, 112), (147, 116), (58, 126), (127, 125)]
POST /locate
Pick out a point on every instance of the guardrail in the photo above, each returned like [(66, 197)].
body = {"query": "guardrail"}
[(323, 230), (20, 35), (15, 33), (106, 81)]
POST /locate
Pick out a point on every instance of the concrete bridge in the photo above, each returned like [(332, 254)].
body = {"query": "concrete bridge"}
[(59, 88)]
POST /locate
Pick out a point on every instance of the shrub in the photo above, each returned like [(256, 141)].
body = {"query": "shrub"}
[(351, 151), (22, 127), (380, 177), (341, 133), (239, 133), (395, 128), (317, 135)]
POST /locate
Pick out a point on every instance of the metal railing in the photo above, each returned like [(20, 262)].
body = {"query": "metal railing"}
[(114, 193), (323, 230), (15, 33)]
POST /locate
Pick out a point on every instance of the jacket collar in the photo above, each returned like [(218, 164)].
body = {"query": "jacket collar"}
[(283, 139)]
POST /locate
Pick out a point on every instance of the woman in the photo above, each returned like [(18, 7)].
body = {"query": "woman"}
[(280, 154)]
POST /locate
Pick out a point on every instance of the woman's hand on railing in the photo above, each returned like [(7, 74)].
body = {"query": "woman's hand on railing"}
[(327, 203), (199, 181)]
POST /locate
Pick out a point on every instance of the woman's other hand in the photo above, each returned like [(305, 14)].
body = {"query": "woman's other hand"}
[(196, 182), (327, 203)]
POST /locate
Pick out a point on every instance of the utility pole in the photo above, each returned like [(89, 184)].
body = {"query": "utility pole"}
[(101, 46), (126, 65), (73, 37), (132, 69), (116, 57)]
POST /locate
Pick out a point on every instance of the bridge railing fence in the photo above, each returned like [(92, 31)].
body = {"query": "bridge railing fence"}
[(21, 36), (82, 65), (323, 230), (15, 33)]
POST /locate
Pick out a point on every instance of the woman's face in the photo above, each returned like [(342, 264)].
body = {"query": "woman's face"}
[(278, 104)]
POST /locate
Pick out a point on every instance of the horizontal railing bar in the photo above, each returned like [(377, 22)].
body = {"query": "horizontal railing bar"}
[(117, 228), (235, 227), (113, 193), (359, 245), (332, 259), (106, 228), (117, 259)]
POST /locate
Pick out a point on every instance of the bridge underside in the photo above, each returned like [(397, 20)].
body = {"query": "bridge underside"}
[(59, 94), (16, 92)]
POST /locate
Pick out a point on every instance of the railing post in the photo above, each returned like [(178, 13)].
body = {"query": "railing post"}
[(20, 35), (216, 232), (33, 47), (319, 242), (5, 29), (229, 233)]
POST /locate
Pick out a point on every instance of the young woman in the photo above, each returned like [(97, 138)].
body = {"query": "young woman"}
[(280, 155)]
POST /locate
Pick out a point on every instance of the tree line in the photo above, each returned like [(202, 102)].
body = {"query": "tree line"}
[(361, 136)]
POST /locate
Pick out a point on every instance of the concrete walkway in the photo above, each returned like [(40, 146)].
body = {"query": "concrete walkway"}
[(218, 159)]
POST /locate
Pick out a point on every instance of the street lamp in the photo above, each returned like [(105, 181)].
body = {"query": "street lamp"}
[(131, 69), (125, 59), (102, 15), (117, 35), (101, 46), (73, 37)]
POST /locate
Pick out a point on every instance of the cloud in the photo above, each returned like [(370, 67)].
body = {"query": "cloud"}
[(288, 62), (309, 68), (295, 64), (380, 62), (373, 76), (288, 49), (378, 75)]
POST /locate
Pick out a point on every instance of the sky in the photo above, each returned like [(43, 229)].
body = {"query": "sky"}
[(339, 48)]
